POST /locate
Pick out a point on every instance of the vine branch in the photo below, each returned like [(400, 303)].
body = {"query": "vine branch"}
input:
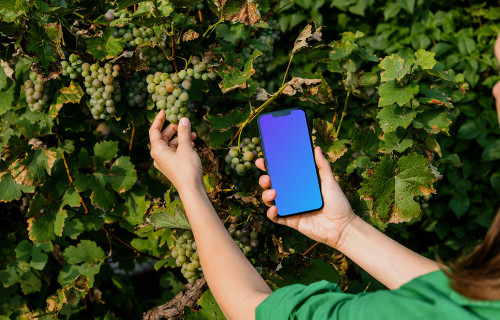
[(138, 252), (256, 113)]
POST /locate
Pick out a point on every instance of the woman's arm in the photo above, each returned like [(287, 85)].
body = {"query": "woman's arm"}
[(337, 226), (235, 284), (385, 259)]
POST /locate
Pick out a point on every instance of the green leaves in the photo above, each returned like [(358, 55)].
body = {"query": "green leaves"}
[(105, 46), (7, 87), (36, 255), (393, 184), (73, 93), (492, 151), (234, 72), (392, 92), (105, 150), (171, 216), (85, 259), (393, 117), (120, 177), (394, 67)]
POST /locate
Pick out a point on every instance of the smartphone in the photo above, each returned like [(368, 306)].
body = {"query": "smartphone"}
[(289, 157)]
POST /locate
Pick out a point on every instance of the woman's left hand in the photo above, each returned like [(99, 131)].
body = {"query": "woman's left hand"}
[(175, 157)]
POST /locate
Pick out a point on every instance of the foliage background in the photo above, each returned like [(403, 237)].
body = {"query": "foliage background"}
[(45, 251)]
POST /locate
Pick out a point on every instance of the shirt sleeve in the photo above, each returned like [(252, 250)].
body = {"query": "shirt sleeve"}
[(320, 300), (420, 299)]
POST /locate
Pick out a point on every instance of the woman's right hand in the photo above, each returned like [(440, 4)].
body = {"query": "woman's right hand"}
[(326, 225)]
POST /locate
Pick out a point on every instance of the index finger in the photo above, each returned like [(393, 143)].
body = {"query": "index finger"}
[(260, 164), (155, 130)]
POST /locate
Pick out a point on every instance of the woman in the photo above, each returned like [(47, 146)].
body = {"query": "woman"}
[(419, 289)]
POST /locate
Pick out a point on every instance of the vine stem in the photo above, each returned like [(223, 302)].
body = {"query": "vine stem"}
[(71, 179), (212, 27), (167, 33), (131, 141), (139, 253), (344, 112), (257, 111), (287, 67), (310, 248)]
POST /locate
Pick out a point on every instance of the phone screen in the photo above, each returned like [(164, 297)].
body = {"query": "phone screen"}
[(290, 162)]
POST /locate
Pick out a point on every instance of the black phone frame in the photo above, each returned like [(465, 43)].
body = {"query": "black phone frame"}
[(280, 113)]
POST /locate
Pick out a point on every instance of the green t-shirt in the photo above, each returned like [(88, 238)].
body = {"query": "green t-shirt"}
[(425, 297)]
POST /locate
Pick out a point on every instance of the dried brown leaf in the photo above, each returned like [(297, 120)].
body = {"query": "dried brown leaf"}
[(308, 37), (309, 86), (249, 14), (190, 35)]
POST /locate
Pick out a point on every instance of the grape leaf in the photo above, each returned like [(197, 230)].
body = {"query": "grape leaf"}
[(391, 92), (10, 190), (210, 310), (40, 46), (393, 184), (391, 142), (86, 258), (106, 150), (121, 176), (393, 117), (59, 222), (345, 46), (234, 73), (10, 10), (436, 98), (73, 93), (30, 282), (172, 216), (394, 67), (25, 252), (7, 87), (106, 46), (433, 121), (425, 59), (41, 228)]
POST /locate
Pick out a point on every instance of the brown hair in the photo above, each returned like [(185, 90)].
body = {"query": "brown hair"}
[(478, 275)]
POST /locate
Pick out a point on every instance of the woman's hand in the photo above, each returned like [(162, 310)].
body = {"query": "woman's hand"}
[(176, 158), (326, 225)]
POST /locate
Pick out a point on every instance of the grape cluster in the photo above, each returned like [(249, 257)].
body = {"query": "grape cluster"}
[(186, 255), (135, 90), (72, 67), (102, 85), (157, 60), (200, 67), (37, 92), (134, 35), (245, 237), (241, 160), (268, 36), (169, 91)]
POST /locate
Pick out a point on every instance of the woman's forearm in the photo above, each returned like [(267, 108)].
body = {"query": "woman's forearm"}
[(234, 282), (386, 260)]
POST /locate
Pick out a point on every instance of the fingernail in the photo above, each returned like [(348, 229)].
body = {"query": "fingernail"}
[(185, 122)]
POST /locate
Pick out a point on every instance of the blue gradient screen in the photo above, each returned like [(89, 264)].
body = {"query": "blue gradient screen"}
[(290, 162)]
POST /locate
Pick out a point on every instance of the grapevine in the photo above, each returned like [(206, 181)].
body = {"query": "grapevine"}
[(87, 231)]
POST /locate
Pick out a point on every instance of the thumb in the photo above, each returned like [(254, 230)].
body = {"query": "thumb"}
[(324, 169), (184, 133)]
